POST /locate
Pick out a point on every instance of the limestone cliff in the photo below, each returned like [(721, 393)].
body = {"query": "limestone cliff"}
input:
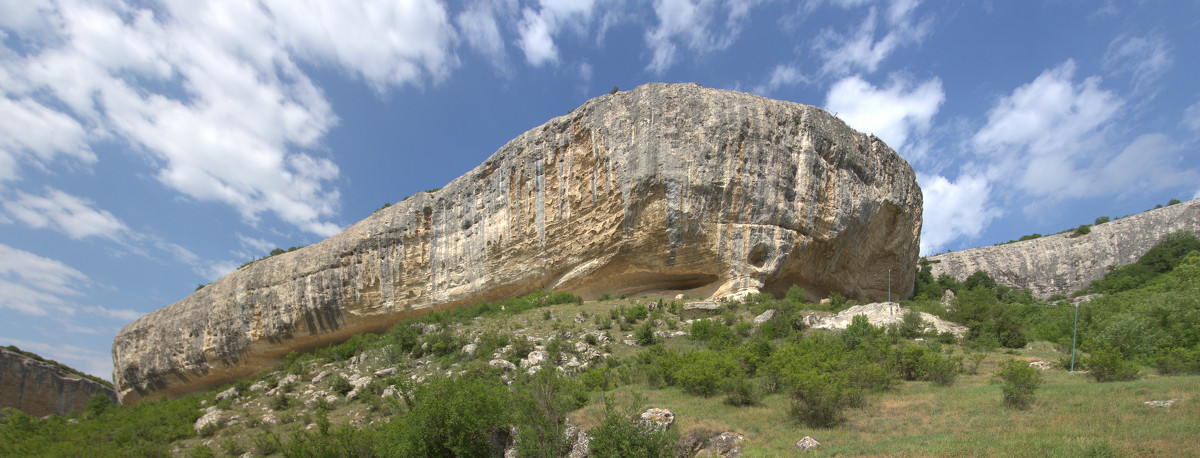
[(662, 189), (39, 389), (1064, 264)]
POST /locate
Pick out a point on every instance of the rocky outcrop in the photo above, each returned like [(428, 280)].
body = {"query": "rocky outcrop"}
[(1064, 263), (882, 314), (665, 189), (39, 388)]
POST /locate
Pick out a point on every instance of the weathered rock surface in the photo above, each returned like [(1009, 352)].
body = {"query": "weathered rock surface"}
[(882, 314), (39, 389), (1063, 264), (665, 189)]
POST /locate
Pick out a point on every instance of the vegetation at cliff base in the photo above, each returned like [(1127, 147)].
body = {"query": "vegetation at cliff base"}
[(465, 381)]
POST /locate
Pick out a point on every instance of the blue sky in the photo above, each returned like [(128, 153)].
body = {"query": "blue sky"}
[(147, 147)]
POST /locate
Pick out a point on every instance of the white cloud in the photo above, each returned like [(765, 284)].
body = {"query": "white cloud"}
[(1149, 163), (536, 39), (782, 75), (895, 113), (539, 26), (478, 26), (211, 92), (859, 50), (74, 216), (694, 25), (36, 132), (1047, 131), (35, 285), (954, 210), (1191, 117), (1144, 59), (385, 42)]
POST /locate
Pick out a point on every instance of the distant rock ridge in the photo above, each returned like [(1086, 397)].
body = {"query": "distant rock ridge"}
[(665, 189), (1064, 264), (37, 388)]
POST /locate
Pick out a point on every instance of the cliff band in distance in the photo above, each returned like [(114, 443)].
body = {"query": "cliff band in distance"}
[(1063, 264), (39, 389), (664, 189)]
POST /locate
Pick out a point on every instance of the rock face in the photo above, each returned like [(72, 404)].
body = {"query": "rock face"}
[(882, 314), (665, 189), (37, 388), (1064, 264)]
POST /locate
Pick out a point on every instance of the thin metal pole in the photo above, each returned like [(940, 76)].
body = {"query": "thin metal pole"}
[(889, 285), (1073, 334)]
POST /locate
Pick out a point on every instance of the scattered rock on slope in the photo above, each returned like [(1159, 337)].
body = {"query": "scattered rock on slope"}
[(669, 188)]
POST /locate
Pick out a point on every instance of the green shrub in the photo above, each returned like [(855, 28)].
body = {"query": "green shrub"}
[(279, 401), (449, 417), (702, 372), (1178, 361), (201, 451), (716, 335), (340, 385), (645, 334), (636, 313), (818, 398), (541, 404), (740, 391), (1107, 365), (232, 447), (1019, 382), (604, 297), (618, 435), (1101, 220), (267, 443), (912, 325)]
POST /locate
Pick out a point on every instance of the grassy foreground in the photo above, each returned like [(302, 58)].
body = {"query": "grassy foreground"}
[(1071, 416)]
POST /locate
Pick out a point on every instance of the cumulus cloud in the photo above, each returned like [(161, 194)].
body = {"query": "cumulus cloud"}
[(210, 92), (954, 209), (895, 113), (74, 216), (864, 48), (694, 25)]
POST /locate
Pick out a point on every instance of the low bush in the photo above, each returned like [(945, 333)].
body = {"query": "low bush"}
[(1019, 382), (619, 435), (1178, 361), (1107, 365)]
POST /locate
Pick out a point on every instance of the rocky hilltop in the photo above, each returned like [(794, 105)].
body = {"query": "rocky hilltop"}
[(39, 388), (1065, 263), (660, 190)]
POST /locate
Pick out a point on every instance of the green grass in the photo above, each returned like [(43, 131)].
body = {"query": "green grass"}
[(1071, 416)]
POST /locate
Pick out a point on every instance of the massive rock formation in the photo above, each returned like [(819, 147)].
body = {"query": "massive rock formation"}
[(39, 389), (661, 190), (1063, 263)]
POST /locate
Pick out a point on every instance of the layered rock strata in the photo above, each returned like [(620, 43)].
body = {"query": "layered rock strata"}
[(1064, 263), (39, 389), (665, 189)]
